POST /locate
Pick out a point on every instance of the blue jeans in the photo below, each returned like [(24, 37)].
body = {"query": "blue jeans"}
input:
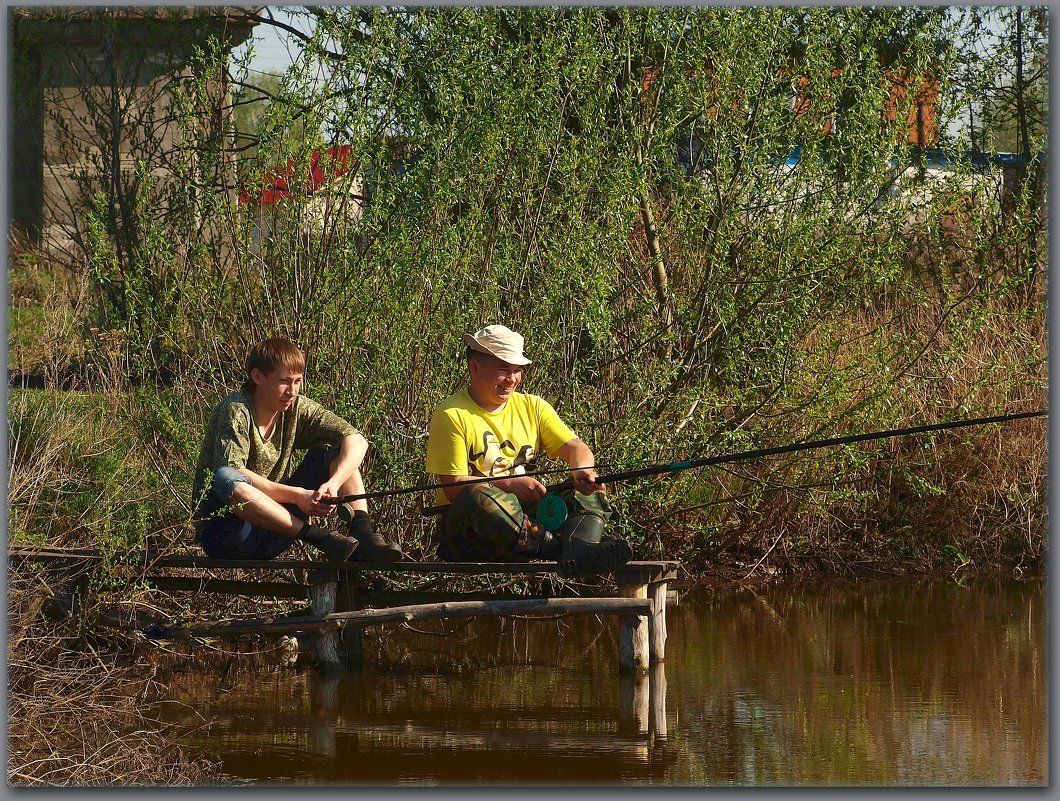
[(223, 535)]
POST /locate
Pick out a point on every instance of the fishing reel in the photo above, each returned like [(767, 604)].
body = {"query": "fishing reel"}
[(551, 512)]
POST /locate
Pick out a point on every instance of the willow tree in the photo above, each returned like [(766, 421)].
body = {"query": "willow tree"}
[(671, 198), (1002, 77), (715, 226)]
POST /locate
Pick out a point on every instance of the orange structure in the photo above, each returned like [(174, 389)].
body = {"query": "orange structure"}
[(920, 128)]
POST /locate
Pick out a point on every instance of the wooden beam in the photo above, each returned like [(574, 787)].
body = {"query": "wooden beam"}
[(379, 598), (369, 617), (656, 569)]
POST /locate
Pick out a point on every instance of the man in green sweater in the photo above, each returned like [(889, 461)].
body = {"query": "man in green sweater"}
[(253, 499)]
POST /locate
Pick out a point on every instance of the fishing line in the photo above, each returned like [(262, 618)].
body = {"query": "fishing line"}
[(688, 464)]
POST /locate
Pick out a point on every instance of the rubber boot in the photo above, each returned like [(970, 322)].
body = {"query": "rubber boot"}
[(587, 551), (551, 547), (372, 546), (536, 542), (337, 547)]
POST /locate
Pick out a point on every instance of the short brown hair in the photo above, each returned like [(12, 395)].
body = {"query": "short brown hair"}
[(270, 354)]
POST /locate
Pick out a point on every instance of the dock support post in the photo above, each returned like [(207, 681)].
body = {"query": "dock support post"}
[(632, 631), (657, 626), (350, 637), (657, 700), (323, 585), (324, 705)]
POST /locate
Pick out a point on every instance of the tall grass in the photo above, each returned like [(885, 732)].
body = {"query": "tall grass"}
[(82, 714), (959, 500)]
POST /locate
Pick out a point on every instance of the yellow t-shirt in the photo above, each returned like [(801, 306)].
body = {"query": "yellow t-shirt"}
[(466, 440)]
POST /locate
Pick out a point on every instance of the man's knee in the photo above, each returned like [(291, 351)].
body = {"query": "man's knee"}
[(597, 503), (314, 469), (484, 523), (484, 505), (477, 493), (231, 486)]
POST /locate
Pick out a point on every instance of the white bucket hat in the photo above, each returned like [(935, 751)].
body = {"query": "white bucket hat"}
[(499, 341)]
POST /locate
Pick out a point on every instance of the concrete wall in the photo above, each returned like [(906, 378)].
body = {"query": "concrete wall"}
[(89, 100)]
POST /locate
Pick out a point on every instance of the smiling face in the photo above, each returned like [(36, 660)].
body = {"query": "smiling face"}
[(275, 390), (493, 381)]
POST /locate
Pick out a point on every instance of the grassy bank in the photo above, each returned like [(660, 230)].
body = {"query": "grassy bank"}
[(108, 464)]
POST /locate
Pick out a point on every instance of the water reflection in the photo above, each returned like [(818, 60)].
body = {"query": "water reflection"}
[(642, 702), (879, 684)]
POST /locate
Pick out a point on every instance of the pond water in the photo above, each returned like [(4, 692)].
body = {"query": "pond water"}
[(878, 683)]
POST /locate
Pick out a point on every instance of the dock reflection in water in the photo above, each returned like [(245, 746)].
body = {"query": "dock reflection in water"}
[(868, 684), (408, 727)]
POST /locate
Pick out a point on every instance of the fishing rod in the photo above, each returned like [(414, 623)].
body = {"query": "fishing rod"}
[(688, 464), (551, 511), (427, 487)]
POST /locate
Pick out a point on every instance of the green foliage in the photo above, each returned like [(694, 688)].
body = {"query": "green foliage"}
[(613, 183), (1003, 74), (84, 471)]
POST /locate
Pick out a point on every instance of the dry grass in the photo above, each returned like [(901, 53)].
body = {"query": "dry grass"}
[(78, 717), (48, 303), (961, 500)]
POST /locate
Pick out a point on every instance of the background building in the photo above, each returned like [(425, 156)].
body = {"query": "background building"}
[(92, 112)]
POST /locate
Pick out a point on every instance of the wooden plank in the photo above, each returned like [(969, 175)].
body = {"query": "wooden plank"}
[(383, 597), (478, 568), (646, 572), (156, 559), (637, 607)]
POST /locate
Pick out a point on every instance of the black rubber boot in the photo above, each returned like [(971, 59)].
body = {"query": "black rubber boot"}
[(337, 547), (372, 546), (586, 551), (551, 547), (535, 542)]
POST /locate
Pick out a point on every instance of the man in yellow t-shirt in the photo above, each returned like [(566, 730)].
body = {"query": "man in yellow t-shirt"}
[(490, 430)]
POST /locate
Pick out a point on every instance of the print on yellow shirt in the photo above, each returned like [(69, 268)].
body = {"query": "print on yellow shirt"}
[(498, 458)]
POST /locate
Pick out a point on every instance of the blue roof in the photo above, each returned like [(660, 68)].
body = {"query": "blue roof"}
[(938, 157)]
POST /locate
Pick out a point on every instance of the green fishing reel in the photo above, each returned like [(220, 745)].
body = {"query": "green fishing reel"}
[(551, 512)]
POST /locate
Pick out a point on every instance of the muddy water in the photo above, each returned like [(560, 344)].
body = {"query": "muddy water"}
[(896, 683)]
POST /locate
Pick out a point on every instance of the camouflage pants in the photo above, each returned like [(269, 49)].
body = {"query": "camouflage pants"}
[(485, 524)]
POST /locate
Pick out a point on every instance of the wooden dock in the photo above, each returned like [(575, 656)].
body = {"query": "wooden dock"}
[(339, 613)]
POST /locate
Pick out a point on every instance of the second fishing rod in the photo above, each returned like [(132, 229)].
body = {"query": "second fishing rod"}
[(551, 510)]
